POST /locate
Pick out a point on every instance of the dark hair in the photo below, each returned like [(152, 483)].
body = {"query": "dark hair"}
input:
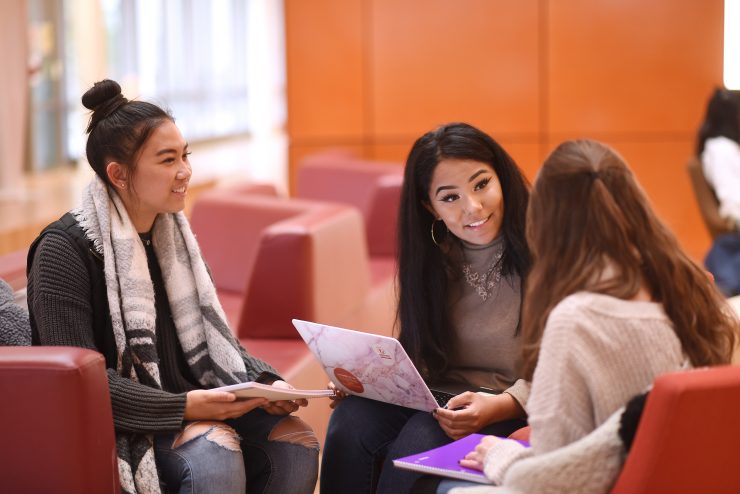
[(423, 312), (118, 127), (587, 215), (722, 118)]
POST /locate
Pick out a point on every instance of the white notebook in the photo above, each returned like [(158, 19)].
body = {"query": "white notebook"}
[(257, 390)]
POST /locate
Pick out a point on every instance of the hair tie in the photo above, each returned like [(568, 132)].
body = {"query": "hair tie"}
[(110, 106), (105, 109), (594, 174)]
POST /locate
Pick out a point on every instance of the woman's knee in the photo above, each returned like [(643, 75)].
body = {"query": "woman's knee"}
[(366, 422), (204, 454), (293, 457), (293, 430), (216, 432)]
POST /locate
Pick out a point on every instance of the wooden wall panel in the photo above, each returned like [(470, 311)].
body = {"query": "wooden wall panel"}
[(631, 73), (296, 152), (632, 66), (325, 69), (435, 61), (390, 151), (526, 154)]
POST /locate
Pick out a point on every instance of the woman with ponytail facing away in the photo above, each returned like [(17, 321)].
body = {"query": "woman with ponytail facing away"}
[(612, 301)]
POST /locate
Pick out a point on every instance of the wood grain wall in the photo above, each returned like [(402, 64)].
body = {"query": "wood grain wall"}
[(373, 75)]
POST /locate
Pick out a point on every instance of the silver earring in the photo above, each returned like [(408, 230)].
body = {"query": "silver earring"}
[(432, 231)]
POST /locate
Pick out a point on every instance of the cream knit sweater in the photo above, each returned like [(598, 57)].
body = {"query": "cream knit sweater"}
[(597, 352)]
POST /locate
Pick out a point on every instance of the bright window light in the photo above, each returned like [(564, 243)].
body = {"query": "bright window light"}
[(732, 44)]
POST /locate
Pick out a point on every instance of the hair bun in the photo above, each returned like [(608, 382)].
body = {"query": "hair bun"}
[(103, 99), (100, 93)]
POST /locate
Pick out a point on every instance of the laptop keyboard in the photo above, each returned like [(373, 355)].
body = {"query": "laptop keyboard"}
[(442, 397)]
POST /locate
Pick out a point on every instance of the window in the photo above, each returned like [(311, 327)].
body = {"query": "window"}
[(201, 59)]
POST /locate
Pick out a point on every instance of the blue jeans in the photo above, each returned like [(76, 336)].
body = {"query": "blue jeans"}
[(201, 465), (365, 436), (723, 261)]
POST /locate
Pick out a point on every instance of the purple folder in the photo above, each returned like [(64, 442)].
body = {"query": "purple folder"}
[(445, 460)]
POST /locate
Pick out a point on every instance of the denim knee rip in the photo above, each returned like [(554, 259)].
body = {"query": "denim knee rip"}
[(215, 432), (293, 430)]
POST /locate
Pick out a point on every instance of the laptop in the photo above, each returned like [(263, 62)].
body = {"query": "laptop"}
[(370, 365)]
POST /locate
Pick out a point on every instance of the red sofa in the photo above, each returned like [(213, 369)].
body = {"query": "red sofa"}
[(275, 259), (373, 187), (688, 440), (57, 422)]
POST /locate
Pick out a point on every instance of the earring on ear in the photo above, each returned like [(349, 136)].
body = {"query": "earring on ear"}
[(122, 185), (432, 231)]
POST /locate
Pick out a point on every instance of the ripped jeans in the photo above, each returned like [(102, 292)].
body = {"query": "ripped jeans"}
[(255, 453)]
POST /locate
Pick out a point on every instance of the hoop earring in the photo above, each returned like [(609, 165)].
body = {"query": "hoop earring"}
[(432, 232)]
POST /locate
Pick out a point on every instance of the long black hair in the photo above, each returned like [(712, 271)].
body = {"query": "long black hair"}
[(721, 119), (423, 312)]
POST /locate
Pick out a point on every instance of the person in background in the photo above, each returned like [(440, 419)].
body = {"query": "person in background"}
[(611, 303), (718, 148), (462, 258), (122, 274)]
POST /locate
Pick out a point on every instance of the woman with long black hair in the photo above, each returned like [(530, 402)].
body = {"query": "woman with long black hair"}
[(462, 259)]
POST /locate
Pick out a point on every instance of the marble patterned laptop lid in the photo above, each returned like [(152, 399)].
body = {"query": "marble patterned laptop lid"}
[(367, 365)]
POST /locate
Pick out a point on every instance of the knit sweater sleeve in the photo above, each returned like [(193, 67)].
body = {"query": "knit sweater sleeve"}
[(560, 407), (59, 300), (520, 392), (257, 369)]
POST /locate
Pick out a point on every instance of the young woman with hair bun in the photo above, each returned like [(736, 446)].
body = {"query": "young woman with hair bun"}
[(122, 274)]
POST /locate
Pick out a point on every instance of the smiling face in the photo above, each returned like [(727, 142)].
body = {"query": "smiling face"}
[(160, 180), (466, 195)]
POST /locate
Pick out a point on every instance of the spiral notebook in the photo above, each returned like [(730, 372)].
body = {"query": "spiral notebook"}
[(445, 460)]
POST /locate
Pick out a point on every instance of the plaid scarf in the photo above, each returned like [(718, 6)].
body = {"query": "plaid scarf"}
[(210, 348)]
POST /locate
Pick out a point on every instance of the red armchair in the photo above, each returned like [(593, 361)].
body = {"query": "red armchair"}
[(373, 187), (688, 439), (57, 421), (273, 260)]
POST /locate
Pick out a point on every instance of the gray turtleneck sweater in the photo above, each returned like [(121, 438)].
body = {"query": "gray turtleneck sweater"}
[(486, 330)]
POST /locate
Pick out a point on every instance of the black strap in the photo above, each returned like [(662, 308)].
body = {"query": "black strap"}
[(68, 226)]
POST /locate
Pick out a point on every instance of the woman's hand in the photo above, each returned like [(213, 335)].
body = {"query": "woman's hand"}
[(339, 395), (476, 459), (207, 404), (469, 412), (283, 407)]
